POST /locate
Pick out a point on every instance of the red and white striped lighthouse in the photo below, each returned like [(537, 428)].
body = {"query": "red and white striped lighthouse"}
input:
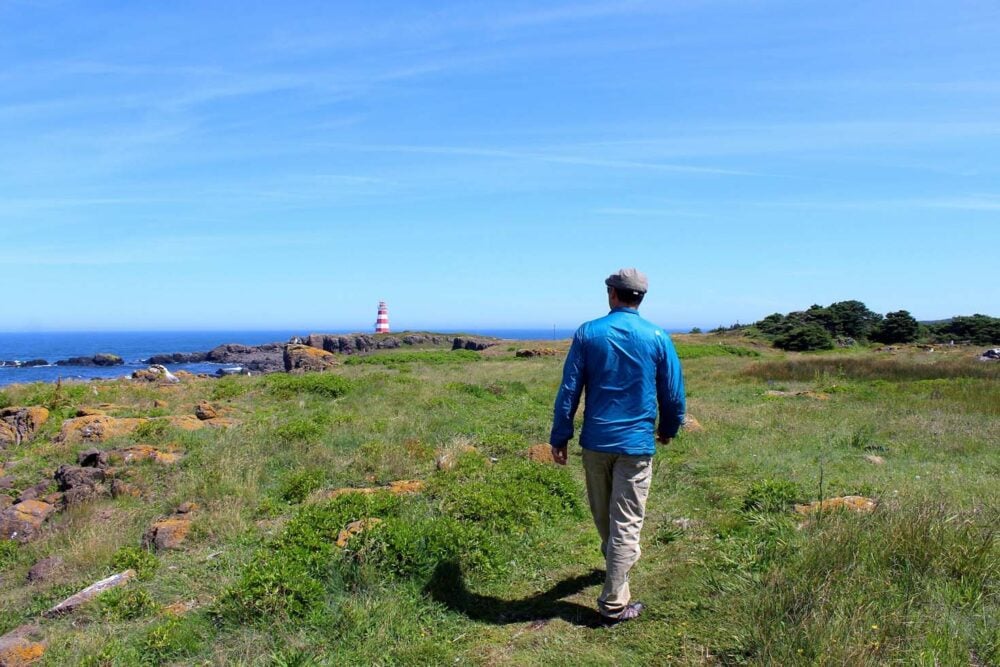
[(382, 323)]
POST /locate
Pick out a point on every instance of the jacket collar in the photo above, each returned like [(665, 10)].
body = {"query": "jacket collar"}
[(623, 309)]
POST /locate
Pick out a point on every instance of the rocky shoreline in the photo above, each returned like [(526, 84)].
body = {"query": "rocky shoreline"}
[(277, 357)]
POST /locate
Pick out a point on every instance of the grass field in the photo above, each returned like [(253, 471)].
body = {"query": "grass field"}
[(495, 561)]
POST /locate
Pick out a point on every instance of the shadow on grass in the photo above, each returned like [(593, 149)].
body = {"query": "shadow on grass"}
[(447, 586)]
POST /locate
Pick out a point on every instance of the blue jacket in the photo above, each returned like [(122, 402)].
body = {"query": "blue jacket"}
[(628, 367)]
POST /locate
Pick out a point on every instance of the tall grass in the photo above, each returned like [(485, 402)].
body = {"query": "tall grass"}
[(871, 368)]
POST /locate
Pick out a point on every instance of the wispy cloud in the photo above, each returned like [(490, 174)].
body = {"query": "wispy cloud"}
[(547, 157)]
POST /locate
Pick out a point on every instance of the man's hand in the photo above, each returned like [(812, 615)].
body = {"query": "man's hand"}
[(559, 455), (663, 440)]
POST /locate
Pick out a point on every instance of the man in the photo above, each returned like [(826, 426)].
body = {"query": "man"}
[(628, 368)]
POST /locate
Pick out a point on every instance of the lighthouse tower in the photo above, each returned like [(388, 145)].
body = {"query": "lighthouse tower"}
[(382, 323)]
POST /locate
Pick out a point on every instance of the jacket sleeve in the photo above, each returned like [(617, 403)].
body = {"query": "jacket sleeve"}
[(670, 391), (568, 398)]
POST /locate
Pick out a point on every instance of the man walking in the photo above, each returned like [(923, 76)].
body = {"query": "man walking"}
[(629, 368)]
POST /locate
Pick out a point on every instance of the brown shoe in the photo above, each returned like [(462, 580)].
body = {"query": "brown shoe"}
[(631, 612)]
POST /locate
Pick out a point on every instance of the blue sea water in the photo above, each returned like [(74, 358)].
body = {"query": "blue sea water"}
[(134, 346)]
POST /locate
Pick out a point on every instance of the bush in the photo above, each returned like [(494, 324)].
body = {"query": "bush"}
[(144, 562), (296, 486), (324, 385), (299, 430), (126, 604), (804, 338)]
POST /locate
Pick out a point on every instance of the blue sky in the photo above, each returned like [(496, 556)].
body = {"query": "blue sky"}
[(228, 165)]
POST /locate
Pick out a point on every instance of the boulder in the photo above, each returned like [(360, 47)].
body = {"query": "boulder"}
[(537, 352), (990, 355), (205, 410), (79, 484), (21, 647), (92, 458), (35, 491), (171, 532), (302, 358), (20, 424), (44, 569), (472, 343), (22, 521), (90, 592)]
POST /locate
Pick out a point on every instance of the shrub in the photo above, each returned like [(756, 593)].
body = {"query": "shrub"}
[(325, 385), (298, 430), (804, 338), (125, 604), (8, 553), (274, 583), (144, 562), (296, 486)]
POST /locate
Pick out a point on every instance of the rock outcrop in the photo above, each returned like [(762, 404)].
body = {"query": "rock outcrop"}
[(20, 424), (853, 503), (20, 647), (96, 360), (171, 532), (267, 358), (79, 484), (96, 428), (302, 358), (472, 343), (177, 358), (22, 521)]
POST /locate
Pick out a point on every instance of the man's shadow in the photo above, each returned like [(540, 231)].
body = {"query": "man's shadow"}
[(447, 586)]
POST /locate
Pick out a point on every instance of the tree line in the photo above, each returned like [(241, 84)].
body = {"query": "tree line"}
[(852, 322)]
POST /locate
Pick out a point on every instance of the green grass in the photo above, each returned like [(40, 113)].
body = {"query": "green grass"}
[(493, 561)]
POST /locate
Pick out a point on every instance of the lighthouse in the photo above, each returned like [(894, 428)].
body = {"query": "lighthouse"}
[(382, 322)]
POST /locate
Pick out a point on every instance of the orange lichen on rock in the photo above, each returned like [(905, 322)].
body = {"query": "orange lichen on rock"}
[(180, 608), (355, 528), (96, 428), (19, 424), (18, 651), (853, 503), (137, 453), (692, 425), (168, 533), (21, 521), (184, 422), (540, 453)]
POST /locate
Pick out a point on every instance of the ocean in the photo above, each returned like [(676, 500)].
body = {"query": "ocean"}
[(134, 346)]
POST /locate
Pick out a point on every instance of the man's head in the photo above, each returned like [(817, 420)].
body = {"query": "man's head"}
[(626, 287)]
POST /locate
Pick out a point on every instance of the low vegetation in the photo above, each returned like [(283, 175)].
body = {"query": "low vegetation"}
[(482, 555)]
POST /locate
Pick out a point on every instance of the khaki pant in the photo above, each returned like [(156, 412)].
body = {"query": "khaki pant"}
[(617, 487)]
